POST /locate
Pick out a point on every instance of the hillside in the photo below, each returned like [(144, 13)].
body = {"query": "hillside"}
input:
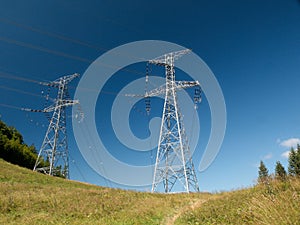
[(275, 203), (27, 197)]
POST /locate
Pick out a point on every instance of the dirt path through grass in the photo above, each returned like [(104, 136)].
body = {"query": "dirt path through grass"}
[(171, 220)]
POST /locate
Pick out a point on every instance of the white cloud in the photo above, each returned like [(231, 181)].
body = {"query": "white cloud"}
[(268, 156), (286, 154), (292, 142)]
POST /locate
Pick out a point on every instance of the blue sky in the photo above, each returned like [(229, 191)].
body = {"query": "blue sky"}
[(253, 48)]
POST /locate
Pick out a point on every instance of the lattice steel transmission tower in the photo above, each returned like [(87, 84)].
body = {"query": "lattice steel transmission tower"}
[(54, 148), (174, 160)]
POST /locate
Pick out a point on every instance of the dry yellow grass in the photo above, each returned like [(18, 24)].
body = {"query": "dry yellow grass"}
[(28, 197), (276, 203)]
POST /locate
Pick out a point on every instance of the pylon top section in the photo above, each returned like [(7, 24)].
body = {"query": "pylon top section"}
[(61, 101), (169, 58), (61, 81)]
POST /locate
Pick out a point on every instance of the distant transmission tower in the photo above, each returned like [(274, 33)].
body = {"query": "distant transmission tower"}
[(174, 160), (55, 146)]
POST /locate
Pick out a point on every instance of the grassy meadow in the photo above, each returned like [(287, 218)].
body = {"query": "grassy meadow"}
[(273, 203), (28, 197)]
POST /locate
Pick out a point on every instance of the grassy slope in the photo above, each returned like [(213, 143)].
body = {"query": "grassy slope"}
[(27, 197), (32, 198), (276, 203)]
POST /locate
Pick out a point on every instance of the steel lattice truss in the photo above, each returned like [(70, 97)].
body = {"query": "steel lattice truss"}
[(54, 148), (173, 161)]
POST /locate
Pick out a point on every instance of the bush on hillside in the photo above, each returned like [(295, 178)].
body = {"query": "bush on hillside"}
[(13, 149)]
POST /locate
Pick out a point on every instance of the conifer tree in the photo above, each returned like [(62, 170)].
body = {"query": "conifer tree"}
[(263, 173), (294, 162), (280, 173)]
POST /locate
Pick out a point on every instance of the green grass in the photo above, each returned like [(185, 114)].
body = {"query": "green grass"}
[(28, 197), (276, 203)]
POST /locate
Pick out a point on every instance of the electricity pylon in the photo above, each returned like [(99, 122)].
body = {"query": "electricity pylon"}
[(54, 148), (174, 160)]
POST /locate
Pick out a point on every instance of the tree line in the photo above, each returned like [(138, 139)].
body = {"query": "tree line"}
[(14, 150), (280, 172)]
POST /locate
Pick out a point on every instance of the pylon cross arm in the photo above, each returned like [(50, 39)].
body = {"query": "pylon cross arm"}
[(162, 89), (163, 60), (63, 104), (66, 79), (186, 84)]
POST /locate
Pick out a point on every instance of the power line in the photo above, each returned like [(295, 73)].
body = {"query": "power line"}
[(10, 106), (54, 52), (15, 77), (77, 167), (51, 34), (39, 48), (20, 78), (20, 91), (62, 37)]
